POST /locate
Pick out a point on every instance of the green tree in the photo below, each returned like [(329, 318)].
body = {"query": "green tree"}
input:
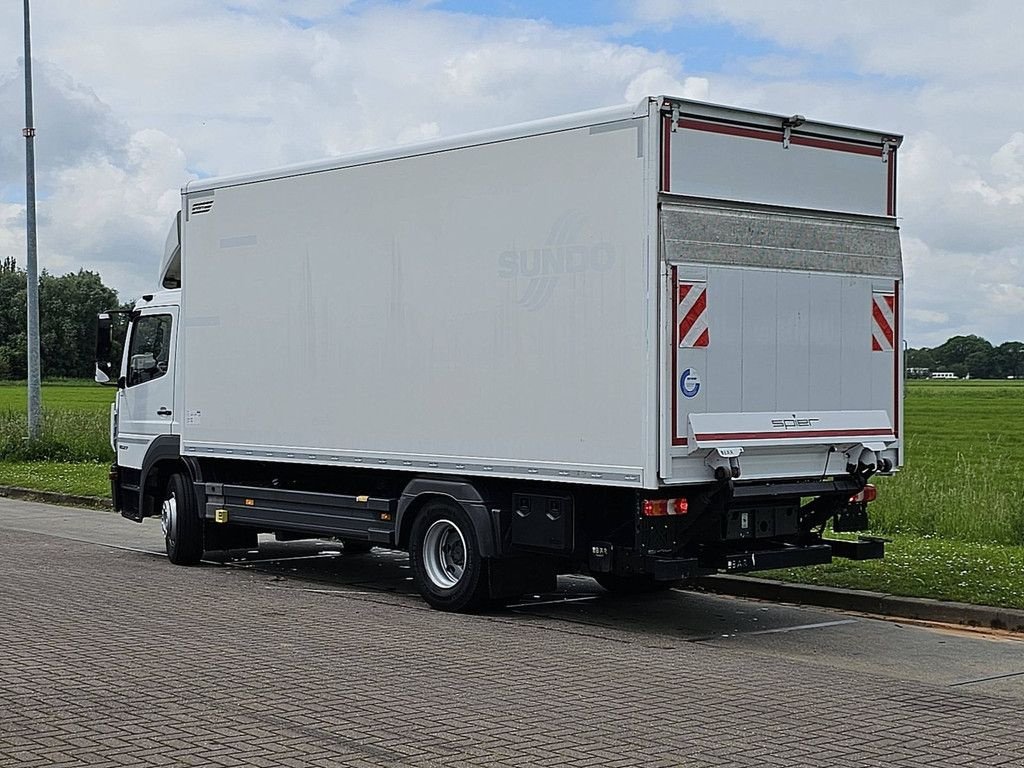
[(68, 306), (1011, 359), (965, 355), (13, 342), (920, 358)]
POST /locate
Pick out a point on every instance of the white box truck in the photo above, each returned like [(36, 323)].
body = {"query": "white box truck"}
[(644, 343)]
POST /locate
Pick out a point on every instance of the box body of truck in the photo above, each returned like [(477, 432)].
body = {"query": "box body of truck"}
[(647, 341)]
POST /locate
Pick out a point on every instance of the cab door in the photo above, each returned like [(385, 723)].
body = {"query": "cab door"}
[(145, 401)]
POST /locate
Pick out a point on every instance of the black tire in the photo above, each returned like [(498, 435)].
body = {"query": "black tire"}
[(633, 584), (447, 567), (355, 547), (182, 526)]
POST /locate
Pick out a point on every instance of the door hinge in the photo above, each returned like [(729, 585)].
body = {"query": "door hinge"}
[(787, 128), (888, 147)]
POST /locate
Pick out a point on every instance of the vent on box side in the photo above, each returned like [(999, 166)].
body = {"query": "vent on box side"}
[(201, 206)]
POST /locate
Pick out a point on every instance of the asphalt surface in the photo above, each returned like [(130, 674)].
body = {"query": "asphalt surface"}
[(300, 655)]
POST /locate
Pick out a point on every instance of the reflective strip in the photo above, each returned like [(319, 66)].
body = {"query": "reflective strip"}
[(693, 313), (883, 321)]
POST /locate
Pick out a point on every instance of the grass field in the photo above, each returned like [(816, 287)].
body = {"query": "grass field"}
[(963, 478), (955, 512), (70, 395), (71, 477), (926, 566), (76, 417)]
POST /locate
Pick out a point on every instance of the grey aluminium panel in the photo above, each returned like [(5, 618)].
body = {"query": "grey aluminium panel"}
[(784, 310), (703, 232), (478, 310)]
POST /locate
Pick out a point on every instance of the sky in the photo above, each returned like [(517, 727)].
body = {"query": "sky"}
[(134, 99)]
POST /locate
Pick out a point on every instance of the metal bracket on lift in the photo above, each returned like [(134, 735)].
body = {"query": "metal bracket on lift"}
[(727, 463), (866, 459)]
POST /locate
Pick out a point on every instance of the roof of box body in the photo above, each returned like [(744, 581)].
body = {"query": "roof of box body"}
[(547, 125)]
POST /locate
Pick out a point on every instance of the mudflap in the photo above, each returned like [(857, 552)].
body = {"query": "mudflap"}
[(606, 558), (115, 490), (512, 577), (865, 548), (851, 518), (224, 537)]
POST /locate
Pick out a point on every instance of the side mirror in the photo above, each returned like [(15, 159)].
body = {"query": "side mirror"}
[(106, 370)]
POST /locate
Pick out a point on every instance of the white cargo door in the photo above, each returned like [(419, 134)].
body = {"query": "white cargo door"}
[(814, 166), (780, 341)]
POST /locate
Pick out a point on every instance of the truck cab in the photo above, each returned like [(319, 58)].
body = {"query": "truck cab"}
[(143, 414)]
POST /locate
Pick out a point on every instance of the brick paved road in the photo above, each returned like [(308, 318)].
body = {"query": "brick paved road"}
[(112, 657)]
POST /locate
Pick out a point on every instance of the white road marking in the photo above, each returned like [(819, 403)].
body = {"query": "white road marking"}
[(986, 679), (799, 627), (554, 602), (776, 631)]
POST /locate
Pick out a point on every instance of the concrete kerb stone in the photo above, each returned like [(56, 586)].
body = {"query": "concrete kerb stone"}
[(50, 497), (862, 601), (926, 609), (857, 600)]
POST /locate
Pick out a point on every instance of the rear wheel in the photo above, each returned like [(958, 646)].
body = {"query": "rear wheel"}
[(447, 567), (179, 519)]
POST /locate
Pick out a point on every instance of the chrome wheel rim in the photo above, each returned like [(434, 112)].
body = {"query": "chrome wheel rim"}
[(169, 516), (444, 554)]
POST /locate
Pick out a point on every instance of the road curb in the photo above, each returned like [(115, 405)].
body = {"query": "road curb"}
[(862, 601), (50, 497)]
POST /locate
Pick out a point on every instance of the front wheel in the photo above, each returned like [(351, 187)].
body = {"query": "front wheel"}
[(179, 519), (447, 567)]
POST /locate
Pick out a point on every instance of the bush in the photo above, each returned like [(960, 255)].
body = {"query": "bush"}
[(75, 436)]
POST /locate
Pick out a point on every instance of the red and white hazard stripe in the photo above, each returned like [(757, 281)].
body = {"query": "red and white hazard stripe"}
[(883, 321), (692, 311)]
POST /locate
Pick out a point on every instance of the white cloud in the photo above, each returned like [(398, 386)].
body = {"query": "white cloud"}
[(12, 230), (946, 74), (1008, 162), (133, 98), (928, 317), (162, 89), (105, 193), (658, 80), (945, 39)]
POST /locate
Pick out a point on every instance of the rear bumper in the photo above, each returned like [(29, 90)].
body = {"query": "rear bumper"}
[(607, 559), (820, 553), (768, 559)]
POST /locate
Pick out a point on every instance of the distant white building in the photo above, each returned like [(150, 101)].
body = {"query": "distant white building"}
[(944, 375)]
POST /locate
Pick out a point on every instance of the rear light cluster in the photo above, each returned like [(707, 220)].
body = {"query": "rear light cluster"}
[(664, 507), (867, 493)]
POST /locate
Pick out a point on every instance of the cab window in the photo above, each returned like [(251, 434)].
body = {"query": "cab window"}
[(150, 349)]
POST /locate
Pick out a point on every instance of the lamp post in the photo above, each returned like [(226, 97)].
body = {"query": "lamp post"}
[(32, 267)]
